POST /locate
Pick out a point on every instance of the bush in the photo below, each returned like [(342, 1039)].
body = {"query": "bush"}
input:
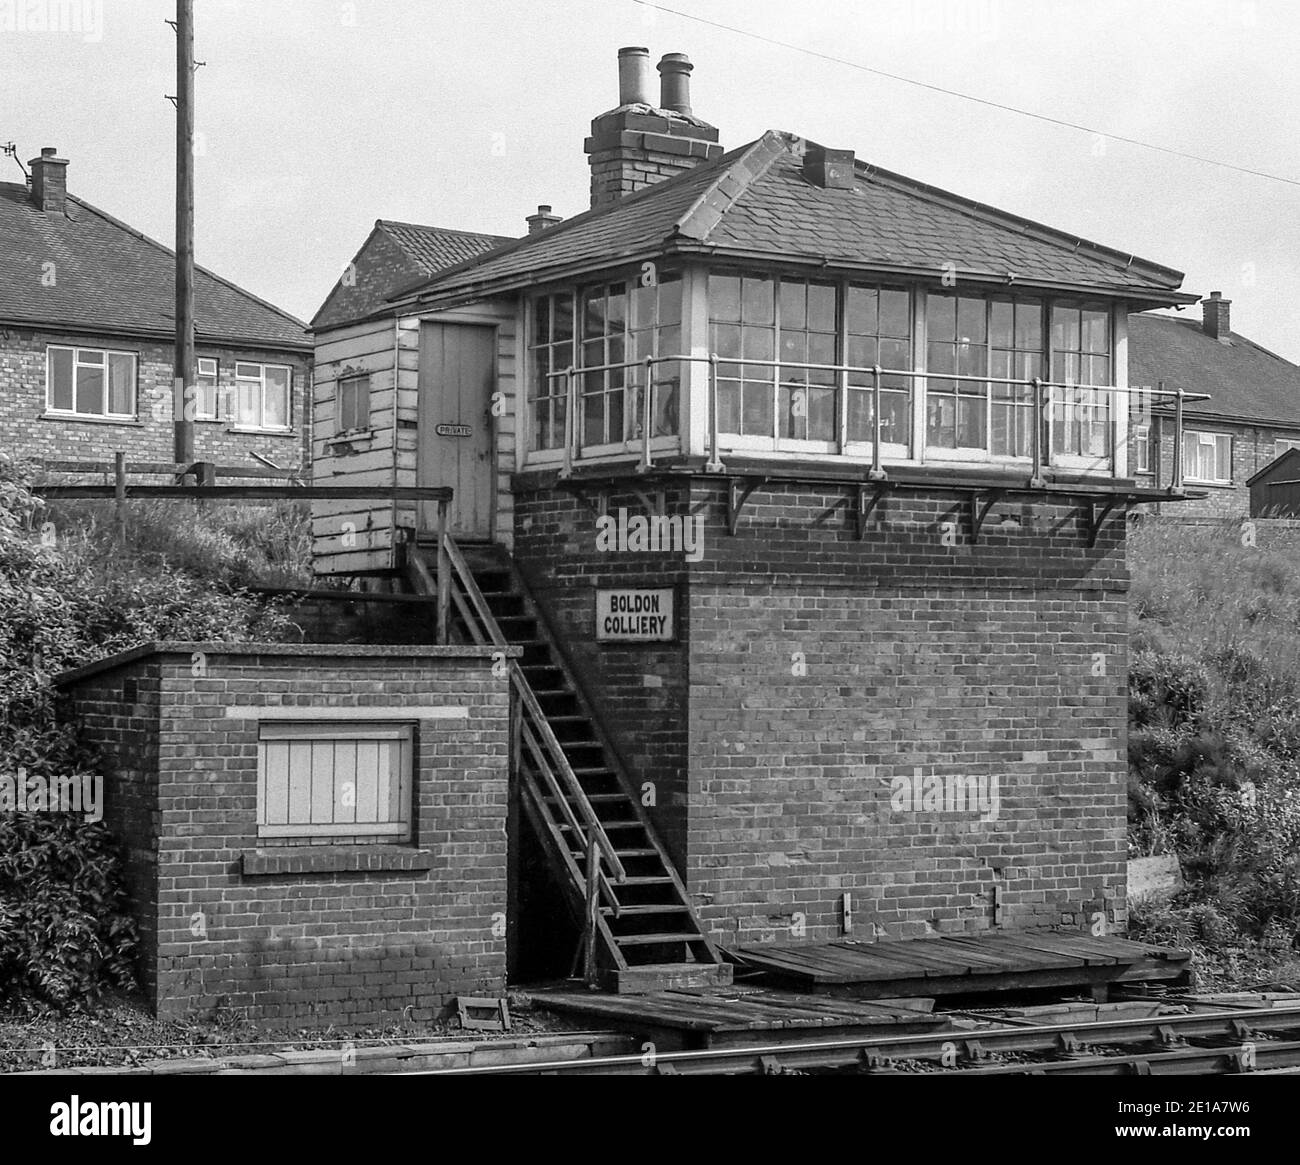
[(64, 930)]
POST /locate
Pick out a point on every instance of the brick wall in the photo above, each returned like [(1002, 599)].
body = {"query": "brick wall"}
[(818, 668), (24, 431), (300, 935), (1253, 447)]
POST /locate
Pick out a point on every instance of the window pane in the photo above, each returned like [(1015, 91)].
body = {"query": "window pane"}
[(895, 314), (541, 319), (972, 322), (248, 404), (276, 400), (756, 344), (757, 417), (121, 385), (1065, 328), (821, 307), (794, 304), (60, 375), (861, 310), (670, 300), (562, 317), (1094, 326), (593, 314), (1029, 325), (90, 389), (724, 298), (941, 317), (1002, 324), (758, 304), (616, 310)]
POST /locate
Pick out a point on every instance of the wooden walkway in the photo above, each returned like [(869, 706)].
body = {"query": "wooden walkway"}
[(719, 1017), (962, 964)]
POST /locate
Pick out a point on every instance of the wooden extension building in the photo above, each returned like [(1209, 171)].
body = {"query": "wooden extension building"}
[(800, 487)]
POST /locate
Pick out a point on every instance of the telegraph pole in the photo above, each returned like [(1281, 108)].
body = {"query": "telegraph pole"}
[(184, 370)]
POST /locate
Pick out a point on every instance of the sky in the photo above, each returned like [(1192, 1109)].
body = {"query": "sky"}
[(316, 117)]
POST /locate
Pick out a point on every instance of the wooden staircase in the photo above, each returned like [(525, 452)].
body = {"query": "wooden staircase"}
[(640, 931)]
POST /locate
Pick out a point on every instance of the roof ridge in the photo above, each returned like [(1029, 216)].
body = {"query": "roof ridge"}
[(566, 225), (130, 230), (709, 216), (1009, 220), (397, 222)]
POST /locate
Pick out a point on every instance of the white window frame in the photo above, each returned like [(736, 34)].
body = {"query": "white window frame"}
[(215, 374), (343, 381), (107, 354), (1141, 448), (1284, 445), (260, 380), (328, 817), (1213, 439)]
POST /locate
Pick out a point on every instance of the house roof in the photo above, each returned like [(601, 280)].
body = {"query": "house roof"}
[(1284, 465), (754, 203), (110, 278), (1245, 382), (394, 256)]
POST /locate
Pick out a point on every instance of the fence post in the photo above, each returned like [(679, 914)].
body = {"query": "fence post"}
[(570, 423), (647, 412), (1036, 478), (1177, 482), (876, 473), (714, 464), (444, 574), (119, 494)]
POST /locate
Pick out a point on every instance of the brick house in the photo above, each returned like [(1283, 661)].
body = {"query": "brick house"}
[(1251, 418), (801, 485), (87, 310)]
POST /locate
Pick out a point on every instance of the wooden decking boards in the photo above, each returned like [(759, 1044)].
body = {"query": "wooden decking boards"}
[(713, 1017), (961, 964)]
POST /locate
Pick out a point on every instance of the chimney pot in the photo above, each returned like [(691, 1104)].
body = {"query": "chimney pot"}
[(634, 76), (49, 181), (675, 83), (1216, 318)]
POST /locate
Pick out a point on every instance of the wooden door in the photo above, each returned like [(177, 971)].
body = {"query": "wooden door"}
[(457, 377)]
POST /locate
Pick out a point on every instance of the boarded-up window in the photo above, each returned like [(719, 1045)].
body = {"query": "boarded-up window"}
[(335, 780)]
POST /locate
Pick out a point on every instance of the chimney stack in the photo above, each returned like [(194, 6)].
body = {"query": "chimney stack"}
[(832, 169), (49, 181), (542, 219), (637, 144), (1215, 321)]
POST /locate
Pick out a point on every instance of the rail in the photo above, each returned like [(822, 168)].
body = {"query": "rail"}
[(1042, 400)]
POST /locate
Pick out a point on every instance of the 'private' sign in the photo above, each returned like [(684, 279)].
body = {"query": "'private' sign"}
[(635, 616)]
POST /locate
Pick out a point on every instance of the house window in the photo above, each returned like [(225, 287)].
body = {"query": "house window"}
[(262, 396), (551, 351), (808, 330), (205, 397), (337, 781), (353, 404), (878, 324), (1142, 449), (1081, 356), (1207, 457), (977, 337), (1283, 444), (606, 324), (742, 318), (90, 382)]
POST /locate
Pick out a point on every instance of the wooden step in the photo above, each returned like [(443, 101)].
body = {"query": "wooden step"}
[(667, 977), (646, 908), (640, 940)]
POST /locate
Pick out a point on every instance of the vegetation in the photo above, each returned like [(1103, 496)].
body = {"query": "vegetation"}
[(1214, 744), (73, 589)]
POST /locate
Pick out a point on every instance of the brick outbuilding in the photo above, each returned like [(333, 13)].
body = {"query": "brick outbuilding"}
[(313, 834)]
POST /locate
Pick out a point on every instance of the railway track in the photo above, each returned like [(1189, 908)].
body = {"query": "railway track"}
[(1198, 1043)]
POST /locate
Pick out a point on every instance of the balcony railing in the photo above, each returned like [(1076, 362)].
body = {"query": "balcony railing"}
[(1046, 399)]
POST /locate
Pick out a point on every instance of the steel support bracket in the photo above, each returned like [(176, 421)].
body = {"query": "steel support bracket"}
[(1096, 518), (868, 499), (738, 491), (980, 511)]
